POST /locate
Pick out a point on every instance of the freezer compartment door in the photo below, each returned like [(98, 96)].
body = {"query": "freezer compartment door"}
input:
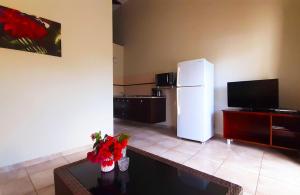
[(190, 113), (191, 73)]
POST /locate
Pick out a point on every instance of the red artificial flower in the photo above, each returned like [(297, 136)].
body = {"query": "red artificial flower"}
[(124, 143), (107, 150), (117, 151), (91, 156), (19, 25)]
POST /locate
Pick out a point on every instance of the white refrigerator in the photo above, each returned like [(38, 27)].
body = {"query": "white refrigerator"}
[(195, 100)]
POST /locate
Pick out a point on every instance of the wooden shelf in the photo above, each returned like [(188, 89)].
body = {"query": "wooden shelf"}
[(247, 126), (260, 128), (286, 138)]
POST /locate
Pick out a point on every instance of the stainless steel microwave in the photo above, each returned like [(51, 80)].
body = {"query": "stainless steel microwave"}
[(166, 79)]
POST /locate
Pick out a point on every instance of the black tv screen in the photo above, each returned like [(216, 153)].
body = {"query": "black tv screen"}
[(260, 94)]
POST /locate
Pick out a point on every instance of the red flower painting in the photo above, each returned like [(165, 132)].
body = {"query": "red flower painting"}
[(26, 32), (19, 25)]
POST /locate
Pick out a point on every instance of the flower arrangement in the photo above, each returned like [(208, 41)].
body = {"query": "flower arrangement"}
[(108, 149)]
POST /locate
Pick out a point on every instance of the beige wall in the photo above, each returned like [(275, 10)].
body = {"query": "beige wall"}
[(246, 40), (51, 104), (118, 69)]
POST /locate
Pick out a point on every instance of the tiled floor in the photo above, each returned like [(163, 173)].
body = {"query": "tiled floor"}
[(36, 178), (257, 170)]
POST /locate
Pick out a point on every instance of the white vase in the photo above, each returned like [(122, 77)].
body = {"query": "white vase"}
[(108, 168)]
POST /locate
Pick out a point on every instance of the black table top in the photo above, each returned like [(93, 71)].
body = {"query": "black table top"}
[(147, 176)]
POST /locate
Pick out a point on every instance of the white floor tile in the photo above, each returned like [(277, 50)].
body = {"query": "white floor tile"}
[(203, 164), (246, 179), (175, 156), (42, 179), (269, 186)]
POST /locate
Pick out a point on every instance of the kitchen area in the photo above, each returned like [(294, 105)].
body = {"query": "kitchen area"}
[(181, 101), (154, 90), (145, 101)]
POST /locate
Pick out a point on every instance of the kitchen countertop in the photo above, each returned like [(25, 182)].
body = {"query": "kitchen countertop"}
[(139, 96)]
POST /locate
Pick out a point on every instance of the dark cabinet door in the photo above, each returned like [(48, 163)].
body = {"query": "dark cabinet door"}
[(143, 110), (148, 110), (118, 108), (126, 108), (133, 109), (121, 108), (157, 110), (139, 109)]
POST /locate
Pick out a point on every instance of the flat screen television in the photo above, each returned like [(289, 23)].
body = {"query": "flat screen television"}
[(257, 94)]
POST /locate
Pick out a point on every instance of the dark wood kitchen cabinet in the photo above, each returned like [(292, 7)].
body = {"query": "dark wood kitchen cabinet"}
[(141, 109)]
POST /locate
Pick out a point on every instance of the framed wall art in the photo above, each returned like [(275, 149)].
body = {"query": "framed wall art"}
[(26, 32)]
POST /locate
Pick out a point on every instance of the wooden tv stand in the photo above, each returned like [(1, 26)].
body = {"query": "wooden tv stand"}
[(279, 130)]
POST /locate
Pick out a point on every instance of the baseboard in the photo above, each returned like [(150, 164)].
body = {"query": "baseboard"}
[(42, 159)]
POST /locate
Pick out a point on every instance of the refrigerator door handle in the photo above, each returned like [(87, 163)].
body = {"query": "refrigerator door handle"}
[(190, 86), (178, 100)]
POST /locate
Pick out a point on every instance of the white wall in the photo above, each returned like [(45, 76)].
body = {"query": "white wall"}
[(246, 40), (51, 104)]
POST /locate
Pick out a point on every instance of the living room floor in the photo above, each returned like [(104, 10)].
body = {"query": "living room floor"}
[(36, 176), (258, 170)]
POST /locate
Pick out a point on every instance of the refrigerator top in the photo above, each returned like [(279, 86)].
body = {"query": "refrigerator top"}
[(200, 60), (193, 72)]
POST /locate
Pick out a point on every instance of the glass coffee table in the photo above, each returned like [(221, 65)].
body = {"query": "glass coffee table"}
[(148, 174)]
